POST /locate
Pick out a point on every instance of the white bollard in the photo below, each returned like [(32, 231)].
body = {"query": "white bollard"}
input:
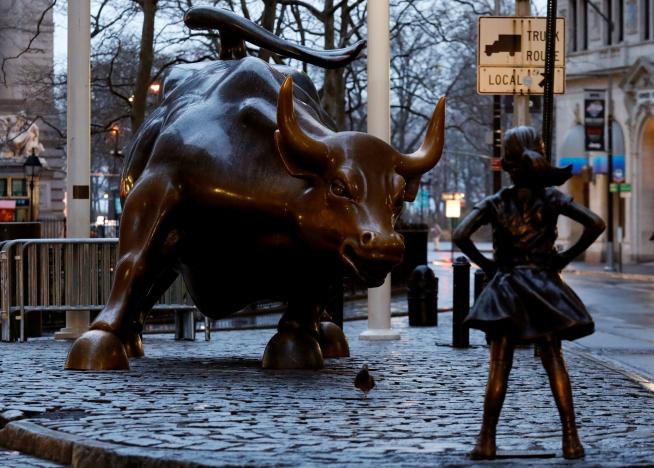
[(78, 206), (379, 125)]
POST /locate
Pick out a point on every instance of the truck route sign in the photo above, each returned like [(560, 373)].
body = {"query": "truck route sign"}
[(511, 55)]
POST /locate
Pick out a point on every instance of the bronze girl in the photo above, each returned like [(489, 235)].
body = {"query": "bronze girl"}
[(525, 300)]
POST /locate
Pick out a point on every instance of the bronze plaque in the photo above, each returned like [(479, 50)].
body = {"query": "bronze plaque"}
[(80, 192)]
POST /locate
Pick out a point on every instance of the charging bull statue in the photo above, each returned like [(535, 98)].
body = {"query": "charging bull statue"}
[(237, 183)]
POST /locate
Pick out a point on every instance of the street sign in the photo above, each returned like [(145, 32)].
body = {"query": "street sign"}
[(511, 55), (618, 175), (621, 188), (509, 80), (594, 120)]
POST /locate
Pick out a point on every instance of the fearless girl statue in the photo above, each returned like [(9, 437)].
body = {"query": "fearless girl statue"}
[(526, 301)]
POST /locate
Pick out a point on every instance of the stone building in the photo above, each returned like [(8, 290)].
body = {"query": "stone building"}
[(28, 117), (624, 61)]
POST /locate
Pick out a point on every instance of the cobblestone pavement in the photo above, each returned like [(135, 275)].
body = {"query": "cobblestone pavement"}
[(199, 403)]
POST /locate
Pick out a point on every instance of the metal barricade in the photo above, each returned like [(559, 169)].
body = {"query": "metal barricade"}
[(38, 275)]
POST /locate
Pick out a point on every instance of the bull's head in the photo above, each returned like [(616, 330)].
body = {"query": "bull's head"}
[(357, 186)]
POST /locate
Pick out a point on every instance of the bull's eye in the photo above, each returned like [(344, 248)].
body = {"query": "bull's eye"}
[(339, 189)]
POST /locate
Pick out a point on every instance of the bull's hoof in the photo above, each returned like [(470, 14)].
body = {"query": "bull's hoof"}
[(292, 350), (333, 341), (134, 346), (97, 350)]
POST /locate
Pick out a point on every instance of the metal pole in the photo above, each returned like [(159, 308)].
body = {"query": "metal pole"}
[(460, 302), (610, 262), (379, 125), (548, 94), (521, 102), (32, 198), (497, 127), (78, 148)]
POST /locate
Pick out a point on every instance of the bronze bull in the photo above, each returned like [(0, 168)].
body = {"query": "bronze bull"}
[(237, 183)]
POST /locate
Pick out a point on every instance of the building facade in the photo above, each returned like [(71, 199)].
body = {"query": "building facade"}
[(616, 62), (28, 117)]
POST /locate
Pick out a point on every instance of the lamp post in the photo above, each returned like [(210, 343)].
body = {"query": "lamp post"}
[(32, 168), (610, 263), (115, 175)]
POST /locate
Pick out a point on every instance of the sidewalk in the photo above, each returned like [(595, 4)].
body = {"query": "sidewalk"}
[(210, 404)]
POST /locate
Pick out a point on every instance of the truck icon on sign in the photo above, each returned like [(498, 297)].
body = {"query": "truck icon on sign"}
[(510, 43)]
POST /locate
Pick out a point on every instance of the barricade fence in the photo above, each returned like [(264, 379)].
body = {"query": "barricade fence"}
[(38, 275)]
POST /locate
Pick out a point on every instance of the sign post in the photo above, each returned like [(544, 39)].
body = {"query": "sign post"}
[(511, 55)]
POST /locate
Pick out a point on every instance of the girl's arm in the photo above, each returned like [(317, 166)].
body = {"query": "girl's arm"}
[(461, 237), (593, 227)]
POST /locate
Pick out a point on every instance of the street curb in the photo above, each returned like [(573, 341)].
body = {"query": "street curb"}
[(630, 373), (611, 275), (32, 439)]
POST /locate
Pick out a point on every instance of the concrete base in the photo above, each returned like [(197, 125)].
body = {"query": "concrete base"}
[(76, 324), (379, 335), (68, 334)]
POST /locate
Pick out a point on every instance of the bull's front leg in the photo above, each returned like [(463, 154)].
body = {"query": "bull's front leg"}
[(295, 345), (148, 240)]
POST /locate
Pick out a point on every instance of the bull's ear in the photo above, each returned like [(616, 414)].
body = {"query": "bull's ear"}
[(411, 189), (302, 154)]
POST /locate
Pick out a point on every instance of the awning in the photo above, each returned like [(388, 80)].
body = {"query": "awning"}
[(573, 151)]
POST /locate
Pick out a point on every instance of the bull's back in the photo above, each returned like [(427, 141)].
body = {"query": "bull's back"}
[(220, 117)]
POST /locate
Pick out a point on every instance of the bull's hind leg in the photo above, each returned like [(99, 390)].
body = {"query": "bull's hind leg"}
[(147, 243), (333, 341)]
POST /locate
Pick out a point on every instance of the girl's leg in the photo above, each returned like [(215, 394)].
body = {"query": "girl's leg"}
[(501, 359), (550, 353)]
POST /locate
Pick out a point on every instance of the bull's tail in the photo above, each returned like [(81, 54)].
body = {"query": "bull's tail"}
[(235, 29)]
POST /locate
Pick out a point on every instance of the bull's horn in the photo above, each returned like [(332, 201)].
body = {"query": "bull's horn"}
[(293, 137), (416, 164)]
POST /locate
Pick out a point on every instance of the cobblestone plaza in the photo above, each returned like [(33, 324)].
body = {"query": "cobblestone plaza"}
[(210, 404)]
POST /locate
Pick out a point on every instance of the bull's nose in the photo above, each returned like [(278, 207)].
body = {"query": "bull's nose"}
[(391, 244), (367, 238)]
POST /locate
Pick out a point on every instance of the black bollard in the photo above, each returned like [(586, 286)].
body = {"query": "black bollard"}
[(480, 282), (461, 302), (422, 296)]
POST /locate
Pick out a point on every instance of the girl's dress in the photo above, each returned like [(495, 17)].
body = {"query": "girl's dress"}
[(526, 298)]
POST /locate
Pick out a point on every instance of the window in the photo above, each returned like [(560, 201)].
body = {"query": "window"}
[(647, 20), (3, 187), (584, 25), (620, 21), (18, 187), (608, 37), (574, 24)]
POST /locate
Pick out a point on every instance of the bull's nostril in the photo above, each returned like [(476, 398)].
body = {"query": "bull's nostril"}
[(367, 237)]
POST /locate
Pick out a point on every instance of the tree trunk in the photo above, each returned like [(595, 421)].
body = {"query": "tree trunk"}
[(144, 72), (268, 22), (333, 91)]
